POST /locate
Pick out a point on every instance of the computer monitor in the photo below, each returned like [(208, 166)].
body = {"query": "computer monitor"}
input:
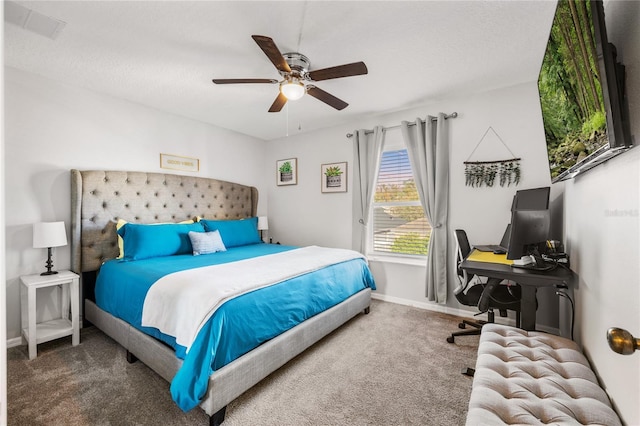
[(528, 229), (531, 199), (506, 237)]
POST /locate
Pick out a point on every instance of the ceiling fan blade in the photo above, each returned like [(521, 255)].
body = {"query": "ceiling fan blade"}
[(327, 98), (278, 103), (347, 70), (273, 53), (243, 80)]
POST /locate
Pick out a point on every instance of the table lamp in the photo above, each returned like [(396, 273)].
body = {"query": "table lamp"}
[(49, 234), (263, 224)]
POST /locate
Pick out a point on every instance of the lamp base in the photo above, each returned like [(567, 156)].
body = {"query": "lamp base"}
[(49, 264)]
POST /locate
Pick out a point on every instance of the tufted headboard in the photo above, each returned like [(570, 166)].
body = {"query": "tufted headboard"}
[(99, 198)]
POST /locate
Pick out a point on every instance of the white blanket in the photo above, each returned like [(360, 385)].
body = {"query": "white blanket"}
[(179, 304)]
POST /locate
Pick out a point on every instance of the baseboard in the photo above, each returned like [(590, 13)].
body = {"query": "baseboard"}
[(440, 308), (457, 312), (16, 341)]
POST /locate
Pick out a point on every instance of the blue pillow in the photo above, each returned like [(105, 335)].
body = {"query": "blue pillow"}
[(235, 233), (206, 242), (146, 241)]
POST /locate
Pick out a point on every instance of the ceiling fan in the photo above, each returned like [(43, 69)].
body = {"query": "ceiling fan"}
[(294, 69)]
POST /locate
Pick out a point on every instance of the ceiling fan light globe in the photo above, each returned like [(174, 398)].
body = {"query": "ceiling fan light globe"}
[(292, 90)]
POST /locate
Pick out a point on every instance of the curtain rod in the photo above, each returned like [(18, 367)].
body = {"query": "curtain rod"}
[(367, 132)]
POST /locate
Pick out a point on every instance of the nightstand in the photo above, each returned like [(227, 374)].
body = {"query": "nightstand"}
[(36, 333)]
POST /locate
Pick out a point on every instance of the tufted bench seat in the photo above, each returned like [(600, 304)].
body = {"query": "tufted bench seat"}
[(527, 377)]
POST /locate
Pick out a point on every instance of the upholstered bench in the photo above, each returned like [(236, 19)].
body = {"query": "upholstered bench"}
[(526, 377)]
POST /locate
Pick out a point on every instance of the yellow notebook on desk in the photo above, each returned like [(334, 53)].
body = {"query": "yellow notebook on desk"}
[(489, 257)]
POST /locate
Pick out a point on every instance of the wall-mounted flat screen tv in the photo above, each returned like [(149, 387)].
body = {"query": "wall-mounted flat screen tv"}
[(582, 92)]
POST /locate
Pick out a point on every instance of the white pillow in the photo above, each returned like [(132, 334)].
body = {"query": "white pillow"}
[(206, 242)]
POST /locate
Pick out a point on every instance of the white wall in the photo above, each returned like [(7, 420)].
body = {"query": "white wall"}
[(3, 288), (301, 214), (603, 234), (51, 128)]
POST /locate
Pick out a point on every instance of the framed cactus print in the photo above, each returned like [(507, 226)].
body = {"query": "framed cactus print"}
[(333, 177), (287, 172)]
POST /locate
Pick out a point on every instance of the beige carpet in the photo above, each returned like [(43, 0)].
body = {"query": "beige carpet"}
[(391, 367)]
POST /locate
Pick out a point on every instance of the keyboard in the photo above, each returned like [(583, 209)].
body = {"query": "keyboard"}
[(491, 247)]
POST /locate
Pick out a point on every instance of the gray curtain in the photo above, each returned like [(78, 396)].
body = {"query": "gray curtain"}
[(367, 150), (428, 149)]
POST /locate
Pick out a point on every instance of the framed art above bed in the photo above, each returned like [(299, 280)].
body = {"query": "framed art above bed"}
[(175, 162)]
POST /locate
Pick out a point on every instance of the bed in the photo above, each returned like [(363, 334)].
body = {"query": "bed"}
[(100, 198)]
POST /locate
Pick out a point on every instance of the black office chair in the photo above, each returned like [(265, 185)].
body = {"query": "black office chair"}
[(471, 290)]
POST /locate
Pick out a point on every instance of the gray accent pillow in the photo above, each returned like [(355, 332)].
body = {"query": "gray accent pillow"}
[(206, 242)]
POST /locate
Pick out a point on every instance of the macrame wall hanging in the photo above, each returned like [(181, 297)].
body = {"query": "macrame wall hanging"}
[(479, 173)]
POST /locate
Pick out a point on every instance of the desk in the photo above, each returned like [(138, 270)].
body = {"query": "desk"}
[(528, 279)]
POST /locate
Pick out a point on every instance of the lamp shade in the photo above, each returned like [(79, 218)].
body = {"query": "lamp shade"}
[(293, 90), (49, 234), (263, 223)]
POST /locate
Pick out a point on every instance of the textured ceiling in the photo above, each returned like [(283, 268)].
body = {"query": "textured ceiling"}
[(164, 54)]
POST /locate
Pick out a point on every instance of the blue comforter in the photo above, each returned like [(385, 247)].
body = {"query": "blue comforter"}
[(240, 324)]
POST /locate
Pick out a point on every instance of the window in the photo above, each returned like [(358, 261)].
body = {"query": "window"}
[(399, 223)]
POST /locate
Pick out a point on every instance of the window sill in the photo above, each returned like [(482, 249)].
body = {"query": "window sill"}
[(403, 260)]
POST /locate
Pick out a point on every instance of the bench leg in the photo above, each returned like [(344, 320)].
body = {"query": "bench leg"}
[(468, 371)]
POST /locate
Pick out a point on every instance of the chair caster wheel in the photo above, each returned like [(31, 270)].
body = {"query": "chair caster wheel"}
[(450, 339), (462, 325)]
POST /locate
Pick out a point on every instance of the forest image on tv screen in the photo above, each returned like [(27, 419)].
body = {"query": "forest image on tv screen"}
[(570, 93)]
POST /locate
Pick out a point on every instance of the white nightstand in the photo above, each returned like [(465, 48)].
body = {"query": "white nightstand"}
[(43, 332)]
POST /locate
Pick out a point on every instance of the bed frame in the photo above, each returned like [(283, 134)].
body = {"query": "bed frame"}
[(100, 198)]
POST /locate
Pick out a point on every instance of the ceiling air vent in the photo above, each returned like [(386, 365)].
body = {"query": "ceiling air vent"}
[(32, 21)]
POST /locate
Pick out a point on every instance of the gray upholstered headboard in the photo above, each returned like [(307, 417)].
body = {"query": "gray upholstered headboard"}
[(99, 198)]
